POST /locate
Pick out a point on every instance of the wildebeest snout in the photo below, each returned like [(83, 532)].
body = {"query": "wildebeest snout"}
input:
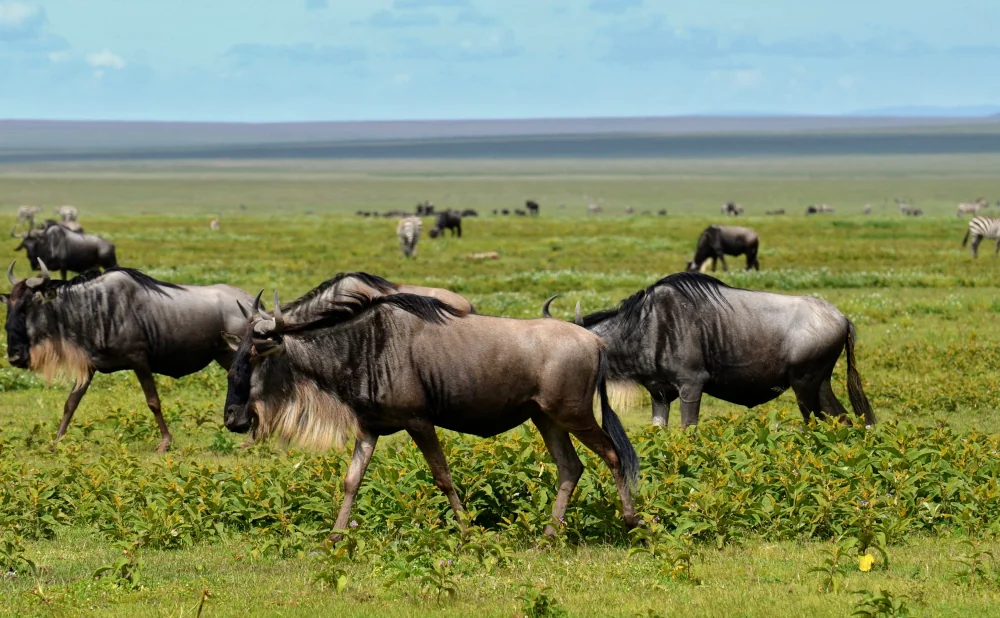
[(237, 419)]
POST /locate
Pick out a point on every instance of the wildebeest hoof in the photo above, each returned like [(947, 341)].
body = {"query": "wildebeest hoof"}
[(550, 530), (334, 538), (164, 446)]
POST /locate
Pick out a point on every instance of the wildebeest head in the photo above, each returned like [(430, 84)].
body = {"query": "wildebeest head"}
[(27, 320), (263, 338), (33, 242)]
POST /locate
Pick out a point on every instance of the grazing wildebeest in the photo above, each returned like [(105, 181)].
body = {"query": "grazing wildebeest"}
[(116, 321), (690, 334), (447, 220), (718, 241), (981, 227), (469, 212), (532, 207), (65, 250), (732, 209), (661, 213), (344, 287), (505, 212), (494, 211), (408, 232), (779, 211), (375, 366), (520, 213)]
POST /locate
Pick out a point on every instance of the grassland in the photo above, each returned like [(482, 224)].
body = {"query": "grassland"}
[(753, 497)]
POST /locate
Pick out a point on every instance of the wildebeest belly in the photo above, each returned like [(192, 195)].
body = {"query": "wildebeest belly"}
[(180, 364), (746, 393), (486, 423)]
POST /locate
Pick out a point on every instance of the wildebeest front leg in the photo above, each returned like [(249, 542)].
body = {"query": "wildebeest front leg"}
[(364, 448), (661, 405), (427, 441), (690, 405), (79, 390), (567, 461), (722, 258), (597, 440), (153, 401)]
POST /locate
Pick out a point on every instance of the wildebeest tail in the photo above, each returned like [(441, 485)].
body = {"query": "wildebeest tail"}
[(627, 458), (859, 401), (966, 239)]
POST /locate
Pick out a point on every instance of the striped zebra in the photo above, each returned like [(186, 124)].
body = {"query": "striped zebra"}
[(971, 208), (408, 232), (983, 227)]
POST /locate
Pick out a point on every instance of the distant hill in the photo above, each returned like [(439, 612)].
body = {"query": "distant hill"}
[(696, 136), (971, 111)]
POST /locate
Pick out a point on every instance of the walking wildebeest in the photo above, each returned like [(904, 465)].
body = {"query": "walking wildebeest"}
[(345, 287), (690, 334), (116, 321), (718, 241), (65, 250), (532, 207), (447, 220), (376, 366), (408, 232)]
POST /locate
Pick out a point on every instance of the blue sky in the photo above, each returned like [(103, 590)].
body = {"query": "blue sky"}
[(295, 60)]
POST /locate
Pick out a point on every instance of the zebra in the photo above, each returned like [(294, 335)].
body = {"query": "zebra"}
[(972, 208), (408, 232), (981, 227), (26, 214), (67, 213)]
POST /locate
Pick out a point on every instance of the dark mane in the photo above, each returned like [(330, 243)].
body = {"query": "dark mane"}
[(696, 288), (145, 281), (427, 309), (382, 285)]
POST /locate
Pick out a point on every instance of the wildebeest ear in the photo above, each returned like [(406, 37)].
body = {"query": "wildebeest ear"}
[(4, 298), (232, 340)]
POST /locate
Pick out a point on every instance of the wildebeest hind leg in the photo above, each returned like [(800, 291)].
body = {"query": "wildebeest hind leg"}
[(79, 390), (153, 401), (427, 441), (661, 405), (808, 398), (600, 442), (567, 461), (364, 448), (831, 405)]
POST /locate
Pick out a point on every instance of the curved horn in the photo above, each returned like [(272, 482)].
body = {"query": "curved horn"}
[(246, 312), (45, 271), (10, 274), (578, 319), (256, 303), (36, 282), (279, 324), (545, 306)]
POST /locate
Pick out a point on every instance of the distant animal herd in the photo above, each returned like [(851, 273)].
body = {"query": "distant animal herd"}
[(359, 356)]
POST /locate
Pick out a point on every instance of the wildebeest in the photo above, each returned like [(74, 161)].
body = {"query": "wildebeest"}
[(820, 209), (344, 287), (469, 212), (532, 207), (779, 211), (65, 250), (520, 213), (661, 213), (425, 209), (408, 232), (447, 220), (732, 209), (718, 241), (375, 366), (116, 321), (505, 212), (690, 334), (981, 227)]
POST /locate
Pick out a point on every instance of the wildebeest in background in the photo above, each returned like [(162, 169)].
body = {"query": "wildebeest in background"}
[(67, 213), (690, 334), (982, 227), (377, 366), (408, 232), (504, 212), (718, 241), (469, 212), (661, 213), (66, 250), (532, 207), (732, 209), (392, 214), (971, 208), (778, 211), (121, 320), (520, 213), (447, 220), (425, 209), (345, 287)]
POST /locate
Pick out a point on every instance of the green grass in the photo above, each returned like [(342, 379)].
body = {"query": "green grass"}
[(926, 315)]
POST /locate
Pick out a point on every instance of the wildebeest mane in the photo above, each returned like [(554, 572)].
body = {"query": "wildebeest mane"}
[(145, 281), (696, 288), (427, 309), (382, 285)]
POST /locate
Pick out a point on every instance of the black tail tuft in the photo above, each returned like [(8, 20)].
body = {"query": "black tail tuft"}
[(855, 392), (627, 457)]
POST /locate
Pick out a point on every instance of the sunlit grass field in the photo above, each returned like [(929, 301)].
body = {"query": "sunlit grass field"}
[(753, 497)]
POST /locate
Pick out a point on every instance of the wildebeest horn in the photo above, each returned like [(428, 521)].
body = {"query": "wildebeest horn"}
[(545, 306), (578, 319), (255, 307), (10, 274), (279, 324), (35, 282), (243, 309)]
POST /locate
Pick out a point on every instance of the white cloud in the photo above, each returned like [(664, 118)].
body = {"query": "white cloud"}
[(106, 59), (18, 20), (59, 56)]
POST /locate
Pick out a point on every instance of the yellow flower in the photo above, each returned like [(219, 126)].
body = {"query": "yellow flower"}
[(865, 562)]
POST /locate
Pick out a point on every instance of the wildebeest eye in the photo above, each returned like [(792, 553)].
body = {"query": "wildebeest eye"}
[(49, 294)]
